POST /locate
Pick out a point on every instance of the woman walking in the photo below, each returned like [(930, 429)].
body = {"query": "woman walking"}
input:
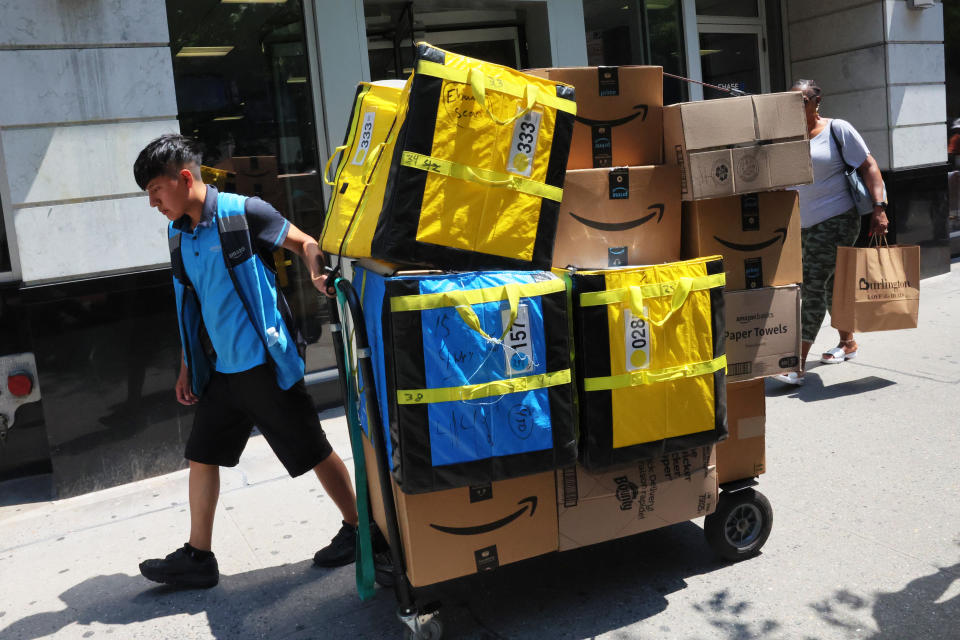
[(829, 219)]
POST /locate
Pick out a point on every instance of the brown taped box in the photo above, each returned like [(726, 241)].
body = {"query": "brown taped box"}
[(619, 115), (458, 532), (717, 144), (742, 454), (762, 332), (758, 236), (255, 176), (649, 494), (622, 216)]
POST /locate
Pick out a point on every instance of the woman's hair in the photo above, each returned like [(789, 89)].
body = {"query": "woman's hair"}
[(810, 88)]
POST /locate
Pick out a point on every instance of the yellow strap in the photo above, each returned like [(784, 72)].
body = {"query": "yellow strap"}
[(373, 157), (469, 316), (656, 290), (638, 378), (357, 105), (421, 301), (483, 390), (482, 176), (326, 168), (680, 293), (500, 85), (478, 82)]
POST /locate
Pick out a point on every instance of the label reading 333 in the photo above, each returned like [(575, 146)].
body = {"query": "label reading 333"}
[(523, 146), (366, 136)]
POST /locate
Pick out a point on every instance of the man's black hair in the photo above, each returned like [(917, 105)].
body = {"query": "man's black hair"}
[(166, 156)]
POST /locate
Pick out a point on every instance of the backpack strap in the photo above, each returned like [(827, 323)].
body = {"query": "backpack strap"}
[(836, 141), (176, 259)]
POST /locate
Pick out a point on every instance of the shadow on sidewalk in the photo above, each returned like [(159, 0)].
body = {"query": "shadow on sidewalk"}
[(582, 593), (815, 391), (922, 609), (288, 601)]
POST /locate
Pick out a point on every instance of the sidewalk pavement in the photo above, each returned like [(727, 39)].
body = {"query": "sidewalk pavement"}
[(865, 542)]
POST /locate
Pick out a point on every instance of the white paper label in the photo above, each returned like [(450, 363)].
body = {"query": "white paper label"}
[(366, 136), (519, 352), (637, 340), (523, 147)]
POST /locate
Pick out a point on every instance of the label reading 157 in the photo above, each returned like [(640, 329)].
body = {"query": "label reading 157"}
[(519, 356), (637, 341), (523, 146), (366, 137)]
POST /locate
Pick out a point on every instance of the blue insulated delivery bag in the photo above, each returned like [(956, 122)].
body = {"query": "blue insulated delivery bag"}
[(472, 375)]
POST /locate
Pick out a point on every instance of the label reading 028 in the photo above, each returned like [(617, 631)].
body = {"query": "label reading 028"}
[(637, 340), (523, 145)]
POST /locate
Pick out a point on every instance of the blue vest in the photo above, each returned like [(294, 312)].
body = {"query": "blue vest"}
[(255, 281)]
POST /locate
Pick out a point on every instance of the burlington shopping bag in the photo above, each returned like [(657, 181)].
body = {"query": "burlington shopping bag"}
[(876, 288)]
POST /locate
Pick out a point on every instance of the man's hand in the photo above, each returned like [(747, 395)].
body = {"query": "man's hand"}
[(306, 247), (183, 390), (320, 283), (878, 222)]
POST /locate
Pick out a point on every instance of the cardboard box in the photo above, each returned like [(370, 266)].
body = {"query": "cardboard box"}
[(738, 145), (616, 217), (619, 118), (762, 332), (758, 236), (724, 172), (742, 454), (458, 532), (255, 176), (596, 507)]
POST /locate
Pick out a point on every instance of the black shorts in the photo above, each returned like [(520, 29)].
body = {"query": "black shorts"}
[(234, 402)]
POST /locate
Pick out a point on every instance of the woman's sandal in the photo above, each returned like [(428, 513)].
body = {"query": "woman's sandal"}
[(838, 354), (793, 378)]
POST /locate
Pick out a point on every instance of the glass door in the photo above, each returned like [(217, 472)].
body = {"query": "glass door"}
[(733, 47), (244, 91), (731, 58)]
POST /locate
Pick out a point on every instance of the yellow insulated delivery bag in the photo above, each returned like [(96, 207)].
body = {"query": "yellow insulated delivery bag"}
[(477, 166), (357, 187), (649, 359)]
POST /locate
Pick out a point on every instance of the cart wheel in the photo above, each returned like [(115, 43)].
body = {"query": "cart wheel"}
[(383, 570), (432, 630), (740, 525)]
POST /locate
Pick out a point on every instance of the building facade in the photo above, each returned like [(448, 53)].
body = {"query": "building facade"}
[(86, 304)]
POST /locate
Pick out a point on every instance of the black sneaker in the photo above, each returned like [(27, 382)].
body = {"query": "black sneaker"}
[(185, 567), (341, 551)]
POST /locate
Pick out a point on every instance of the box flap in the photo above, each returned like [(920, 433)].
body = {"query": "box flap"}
[(780, 115), (718, 123), (788, 163)]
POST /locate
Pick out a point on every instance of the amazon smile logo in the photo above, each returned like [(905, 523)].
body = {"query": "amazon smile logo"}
[(530, 502), (639, 110), (657, 210), (781, 236)]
